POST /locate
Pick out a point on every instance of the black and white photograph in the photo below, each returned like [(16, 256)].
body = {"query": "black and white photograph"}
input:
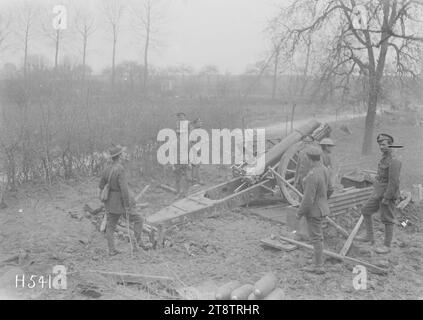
[(217, 150)]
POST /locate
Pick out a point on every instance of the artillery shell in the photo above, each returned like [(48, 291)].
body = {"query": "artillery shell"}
[(265, 285), (224, 292), (243, 292)]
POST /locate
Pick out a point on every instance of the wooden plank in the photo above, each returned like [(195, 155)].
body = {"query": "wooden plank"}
[(275, 244), (338, 256), (350, 239), (286, 182), (337, 227), (138, 197), (167, 188), (131, 277)]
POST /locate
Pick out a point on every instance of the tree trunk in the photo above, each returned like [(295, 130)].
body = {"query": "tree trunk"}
[(147, 44), (84, 54), (113, 59), (370, 118), (26, 53), (275, 74)]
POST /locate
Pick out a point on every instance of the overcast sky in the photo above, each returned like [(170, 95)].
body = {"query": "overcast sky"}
[(227, 33)]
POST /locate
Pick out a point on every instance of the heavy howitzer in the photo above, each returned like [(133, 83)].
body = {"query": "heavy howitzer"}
[(249, 184)]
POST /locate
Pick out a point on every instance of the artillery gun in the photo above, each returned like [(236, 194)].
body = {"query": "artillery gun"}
[(250, 183)]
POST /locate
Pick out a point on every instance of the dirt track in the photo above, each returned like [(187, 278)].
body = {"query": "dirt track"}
[(223, 247)]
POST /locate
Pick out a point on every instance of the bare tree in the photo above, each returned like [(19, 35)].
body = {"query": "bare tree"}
[(26, 18), (148, 17), (5, 28), (113, 10), (359, 39), (84, 25)]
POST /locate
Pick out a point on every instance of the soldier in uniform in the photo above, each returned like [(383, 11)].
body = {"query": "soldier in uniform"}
[(303, 163), (181, 169), (385, 192), (195, 163), (327, 144), (314, 205), (119, 202)]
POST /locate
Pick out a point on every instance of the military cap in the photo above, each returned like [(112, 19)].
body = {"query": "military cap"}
[(180, 114), (115, 151), (383, 136), (327, 142)]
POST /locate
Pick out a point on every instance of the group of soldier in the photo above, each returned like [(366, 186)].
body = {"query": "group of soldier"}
[(314, 179)]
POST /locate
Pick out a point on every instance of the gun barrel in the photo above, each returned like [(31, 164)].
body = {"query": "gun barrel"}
[(273, 156)]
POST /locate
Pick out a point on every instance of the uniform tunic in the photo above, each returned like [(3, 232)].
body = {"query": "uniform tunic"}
[(386, 187), (119, 198), (314, 205), (326, 159)]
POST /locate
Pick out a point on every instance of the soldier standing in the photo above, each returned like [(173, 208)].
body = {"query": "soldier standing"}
[(181, 169), (119, 201), (314, 205), (303, 163), (327, 144), (195, 163), (385, 192)]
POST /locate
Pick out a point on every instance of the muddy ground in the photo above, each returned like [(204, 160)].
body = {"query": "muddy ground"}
[(50, 225)]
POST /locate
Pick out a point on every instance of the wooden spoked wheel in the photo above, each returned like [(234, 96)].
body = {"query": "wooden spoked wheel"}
[(286, 169)]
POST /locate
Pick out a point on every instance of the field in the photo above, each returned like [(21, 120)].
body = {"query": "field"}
[(49, 224)]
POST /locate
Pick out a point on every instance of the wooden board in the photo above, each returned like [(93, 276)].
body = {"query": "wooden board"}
[(276, 244), (351, 237)]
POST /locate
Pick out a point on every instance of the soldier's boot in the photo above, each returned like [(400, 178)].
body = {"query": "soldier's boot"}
[(318, 267), (369, 237), (137, 234), (389, 233), (111, 241)]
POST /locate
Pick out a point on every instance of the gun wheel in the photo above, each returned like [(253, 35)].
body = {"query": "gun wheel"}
[(286, 169)]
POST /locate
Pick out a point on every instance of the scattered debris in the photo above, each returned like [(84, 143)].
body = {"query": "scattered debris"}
[(123, 277), (88, 290), (167, 188)]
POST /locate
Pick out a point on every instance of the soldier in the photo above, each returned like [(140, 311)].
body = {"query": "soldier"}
[(303, 164), (327, 144), (195, 163), (385, 192), (181, 169), (314, 205), (119, 201)]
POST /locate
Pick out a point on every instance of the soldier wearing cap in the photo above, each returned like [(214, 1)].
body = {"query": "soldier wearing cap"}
[(385, 192), (314, 205), (327, 144), (303, 163), (120, 201)]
